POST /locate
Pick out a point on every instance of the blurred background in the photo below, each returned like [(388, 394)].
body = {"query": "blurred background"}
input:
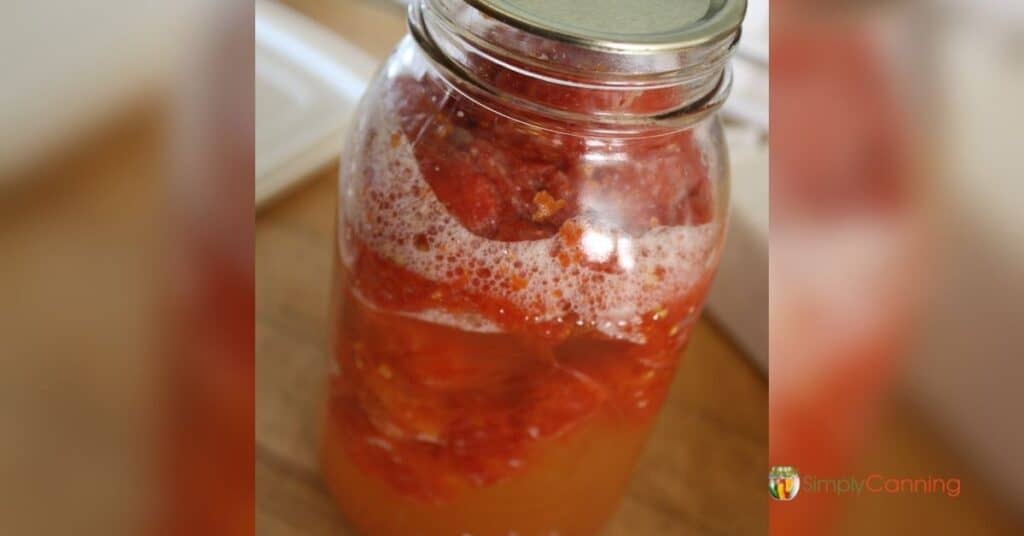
[(897, 262), (126, 375), (126, 206)]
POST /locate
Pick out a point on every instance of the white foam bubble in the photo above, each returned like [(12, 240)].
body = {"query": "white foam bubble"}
[(465, 321), (394, 211)]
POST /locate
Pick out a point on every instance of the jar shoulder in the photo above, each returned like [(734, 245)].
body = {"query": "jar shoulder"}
[(508, 178)]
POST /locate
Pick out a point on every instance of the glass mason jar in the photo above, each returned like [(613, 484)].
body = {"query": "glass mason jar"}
[(532, 206)]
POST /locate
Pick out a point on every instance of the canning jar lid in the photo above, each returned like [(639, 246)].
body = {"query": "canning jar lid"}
[(627, 26)]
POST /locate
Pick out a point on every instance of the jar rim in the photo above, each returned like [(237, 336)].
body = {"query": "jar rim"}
[(606, 63), (694, 24)]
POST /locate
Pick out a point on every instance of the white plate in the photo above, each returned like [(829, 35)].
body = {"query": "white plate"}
[(738, 300), (308, 82)]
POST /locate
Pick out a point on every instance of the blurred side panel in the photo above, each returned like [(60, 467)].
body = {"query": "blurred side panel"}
[(968, 372), (897, 265), (82, 261), (847, 240), (125, 268), (210, 336)]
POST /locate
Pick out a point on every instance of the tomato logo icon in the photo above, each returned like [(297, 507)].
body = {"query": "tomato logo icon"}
[(783, 483)]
